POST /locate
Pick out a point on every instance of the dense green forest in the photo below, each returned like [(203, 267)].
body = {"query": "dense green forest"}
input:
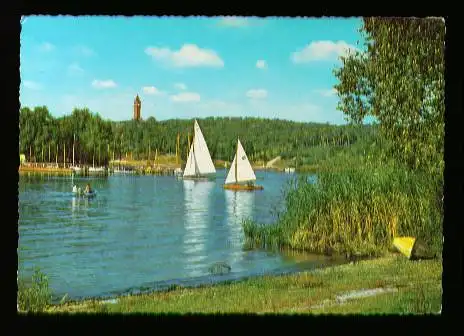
[(42, 135)]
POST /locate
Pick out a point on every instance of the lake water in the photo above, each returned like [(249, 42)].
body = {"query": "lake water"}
[(144, 232)]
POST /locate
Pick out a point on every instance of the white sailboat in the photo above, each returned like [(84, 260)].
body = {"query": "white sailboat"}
[(199, 163), (241, 175)]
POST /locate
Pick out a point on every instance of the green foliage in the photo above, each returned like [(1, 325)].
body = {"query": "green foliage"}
[(389, 182), (356, 209), (34, 295), (98, 140), (399, 80)]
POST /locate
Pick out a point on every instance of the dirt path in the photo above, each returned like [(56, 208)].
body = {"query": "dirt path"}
[(270, 164)]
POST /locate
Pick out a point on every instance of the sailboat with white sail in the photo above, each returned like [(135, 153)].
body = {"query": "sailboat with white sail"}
[(199, 164), (241, 175)]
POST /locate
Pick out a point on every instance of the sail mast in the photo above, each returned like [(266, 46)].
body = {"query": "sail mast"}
[(177, 149), (236, 162), (74, 141), (193, 148), (188, 142)]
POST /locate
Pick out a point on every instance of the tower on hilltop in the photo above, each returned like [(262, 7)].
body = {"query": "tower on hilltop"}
[(137, 108)]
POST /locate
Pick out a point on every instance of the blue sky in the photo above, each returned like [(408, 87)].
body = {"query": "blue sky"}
[(185, 67)]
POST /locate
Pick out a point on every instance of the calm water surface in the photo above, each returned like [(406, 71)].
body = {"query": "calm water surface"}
[(143, 232)]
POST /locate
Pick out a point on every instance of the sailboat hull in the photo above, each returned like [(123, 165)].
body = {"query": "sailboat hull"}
[(242, 187)]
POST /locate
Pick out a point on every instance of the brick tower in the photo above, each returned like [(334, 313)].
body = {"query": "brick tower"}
[(137, 108)]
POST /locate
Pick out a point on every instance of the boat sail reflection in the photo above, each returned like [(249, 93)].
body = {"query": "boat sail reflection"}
[(239, 207), (75, 204), (197, 205)]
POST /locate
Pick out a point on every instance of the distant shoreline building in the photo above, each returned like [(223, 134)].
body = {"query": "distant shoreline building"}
[(137, 108)]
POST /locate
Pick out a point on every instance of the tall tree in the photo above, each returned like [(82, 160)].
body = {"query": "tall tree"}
[(399, 80)]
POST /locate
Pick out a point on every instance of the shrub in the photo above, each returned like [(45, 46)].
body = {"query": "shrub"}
[(34, 296)]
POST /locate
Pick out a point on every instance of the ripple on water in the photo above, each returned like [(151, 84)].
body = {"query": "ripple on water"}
[(139, 230)]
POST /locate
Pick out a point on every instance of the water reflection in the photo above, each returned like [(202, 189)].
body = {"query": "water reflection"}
[(139, 230), (197, 207), (78, 204), (75, 205), (239, 207)]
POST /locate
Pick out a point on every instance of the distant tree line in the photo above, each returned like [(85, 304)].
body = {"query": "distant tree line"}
[(45, 138)]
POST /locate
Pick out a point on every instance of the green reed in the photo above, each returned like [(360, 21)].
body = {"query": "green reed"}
[(34, 294), (356, 208)]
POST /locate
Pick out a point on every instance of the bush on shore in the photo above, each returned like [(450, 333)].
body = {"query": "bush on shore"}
[(34, 294), (356, 210)]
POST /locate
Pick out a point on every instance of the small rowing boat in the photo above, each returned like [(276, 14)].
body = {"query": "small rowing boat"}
[(80, 192)]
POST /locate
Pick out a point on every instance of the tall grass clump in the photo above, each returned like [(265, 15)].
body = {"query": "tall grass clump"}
[(357, 210), (34, 294), (268, 236)]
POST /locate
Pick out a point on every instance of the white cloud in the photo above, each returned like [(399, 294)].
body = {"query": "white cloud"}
[(46, 47), (75, 69), (326, 92), (321, 50), (31, 85), (103, 84), (151, 90), (256, 94), (180, 86), (234, 21), (261, 64), (84, 50), (190, 55), (186, 97)]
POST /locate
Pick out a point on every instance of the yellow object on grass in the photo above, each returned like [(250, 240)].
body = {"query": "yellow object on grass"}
[(405, 245)]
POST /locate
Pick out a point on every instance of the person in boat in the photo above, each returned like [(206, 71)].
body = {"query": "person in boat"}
[(74, 189), (88, 189)]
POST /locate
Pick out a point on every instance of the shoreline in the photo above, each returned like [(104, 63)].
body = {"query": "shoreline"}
[(212, 280), (27, 169), (389, 284), (157, 170)]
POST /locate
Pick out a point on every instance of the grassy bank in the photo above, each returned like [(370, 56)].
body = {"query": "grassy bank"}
[(356, 211), (163, 160), (30, 169), (402, 286), (169, 160), (34, 294)]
